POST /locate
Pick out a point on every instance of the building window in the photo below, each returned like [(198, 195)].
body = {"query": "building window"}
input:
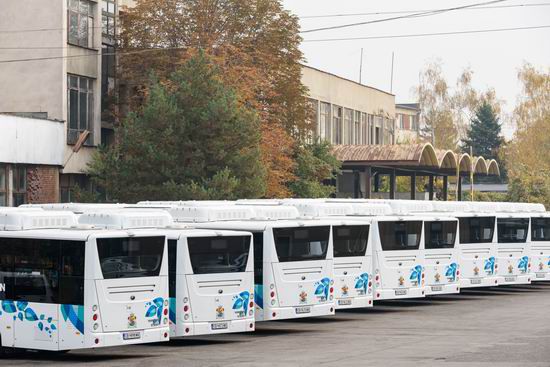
[(348, 126), (337, 125), (400, 122), (324, 121), (108, 17), (69, 182), (3, 185), (357, 128), (364, 129), (80, 23), (19, 185), (81, 105), (378, 130), (313, 116), (414, 123)]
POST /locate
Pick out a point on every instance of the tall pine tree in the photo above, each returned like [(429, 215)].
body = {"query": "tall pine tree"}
[(484, 133)]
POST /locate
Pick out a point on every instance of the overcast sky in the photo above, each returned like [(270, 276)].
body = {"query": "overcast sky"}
[(494, 57)]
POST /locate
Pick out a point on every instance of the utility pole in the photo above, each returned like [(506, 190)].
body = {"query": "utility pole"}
[(391, 80), (361, 68), (472, 175)]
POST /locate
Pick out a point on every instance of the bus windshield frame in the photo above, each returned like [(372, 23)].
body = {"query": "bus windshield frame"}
[(219, 254), (512, 230), (311, 241), (130, 257), (350, 240), (400, 235), (440, 234)]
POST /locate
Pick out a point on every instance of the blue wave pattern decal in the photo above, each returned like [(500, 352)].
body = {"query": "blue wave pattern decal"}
[(548, 262), (451, 272), (155, 308), (172, 310), (362, 282), (322, 288), (241, 301), (259, 295), (75, 315), (416, 274), (22, 312), (490, 265), (522, 264)]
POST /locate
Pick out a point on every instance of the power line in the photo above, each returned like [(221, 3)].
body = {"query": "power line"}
[(427, 34), (414, 15), (415, 11)]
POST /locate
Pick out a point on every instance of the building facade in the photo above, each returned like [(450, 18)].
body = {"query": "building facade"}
[(407, 123)]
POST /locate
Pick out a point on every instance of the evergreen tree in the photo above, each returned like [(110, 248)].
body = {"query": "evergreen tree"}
[(484, 133), (192, 139)]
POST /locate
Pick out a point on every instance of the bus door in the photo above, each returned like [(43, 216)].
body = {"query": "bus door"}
[(219, 285)]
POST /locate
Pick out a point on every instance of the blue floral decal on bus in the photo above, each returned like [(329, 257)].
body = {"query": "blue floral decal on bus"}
[(259, 295), (451, 271), (240, 304), (362, 283), (522, 265), (23, 312), (75, 315), (322, 288), (172, 310), (416, 274), (490, 265), (155, 309)]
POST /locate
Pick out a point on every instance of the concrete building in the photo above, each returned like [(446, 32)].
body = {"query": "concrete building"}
[(51, 68), (407, 123)]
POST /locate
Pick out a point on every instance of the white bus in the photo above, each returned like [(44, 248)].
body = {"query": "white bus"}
[(540, 246), (65, 286), (293, 257)]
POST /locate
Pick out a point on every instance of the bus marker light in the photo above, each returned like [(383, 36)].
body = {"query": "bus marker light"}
[(165, 311), (370, 302), (274, 314), (186, 330), (96, 326), (185, 300), (96, 341), (251, 325), (271, 286), (370, 284), (165, 303), (185, 308), (251, 304), (272, 294), (273, 302), (165, 321), (331, 290), (165, 335), (377, 278), (94, 308), (186, 317), (377, 295), (331, 309), (94, 317)]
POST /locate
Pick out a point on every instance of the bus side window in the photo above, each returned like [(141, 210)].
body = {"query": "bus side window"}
[(71, 273), (172, 261), (6, 269), (258, 258)]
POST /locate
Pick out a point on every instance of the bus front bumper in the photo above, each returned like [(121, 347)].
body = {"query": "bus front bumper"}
[(215, 327), (281, 313), (114, 339), (491, 281), (540, 277), (433, 289), (400, 293), (353, 302)]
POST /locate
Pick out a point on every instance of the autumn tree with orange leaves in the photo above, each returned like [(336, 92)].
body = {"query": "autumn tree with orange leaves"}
[(254, 43)]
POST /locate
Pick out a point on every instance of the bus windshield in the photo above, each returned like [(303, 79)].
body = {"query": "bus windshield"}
[(219, 254), (350, 240), (476, 229), (400, 235), (540, 229), (512, 230), (130, 257), (301, 244), (440, 234)]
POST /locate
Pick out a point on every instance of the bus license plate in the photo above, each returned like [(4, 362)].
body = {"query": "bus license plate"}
[(437, 288), (400, 292), (219, 326), (510, 279), (541, 275), (475, 281), (300, 310), (344, 302), (131, 335)]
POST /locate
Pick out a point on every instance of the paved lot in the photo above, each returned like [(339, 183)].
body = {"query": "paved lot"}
[(494, 327)]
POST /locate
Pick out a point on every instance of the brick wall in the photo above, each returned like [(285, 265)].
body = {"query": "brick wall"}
[(42, 184)]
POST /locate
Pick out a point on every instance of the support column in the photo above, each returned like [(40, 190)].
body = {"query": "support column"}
[(368, 182), (392, 185), (413, 186), (431, 187), (459, 185), (377, 182), (356, 185), (445, 188)]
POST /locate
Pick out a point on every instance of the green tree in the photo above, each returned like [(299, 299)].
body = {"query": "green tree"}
[(314, 164), (192, 139), (484, 134)]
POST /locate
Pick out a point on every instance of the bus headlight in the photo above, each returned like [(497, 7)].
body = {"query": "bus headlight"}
[(96, 326)]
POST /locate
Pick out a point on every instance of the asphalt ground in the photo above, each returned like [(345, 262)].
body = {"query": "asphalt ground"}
[(505, 326)]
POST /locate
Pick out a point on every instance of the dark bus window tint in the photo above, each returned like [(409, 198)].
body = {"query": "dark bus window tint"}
[(258, 258), (6, 269), (512, 230), (219, 254), (400, 235), (476, 229), (440, 234), (302, 243), (130, 257), (540, 230), (71, 275), (172, 263), (350, 240)]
